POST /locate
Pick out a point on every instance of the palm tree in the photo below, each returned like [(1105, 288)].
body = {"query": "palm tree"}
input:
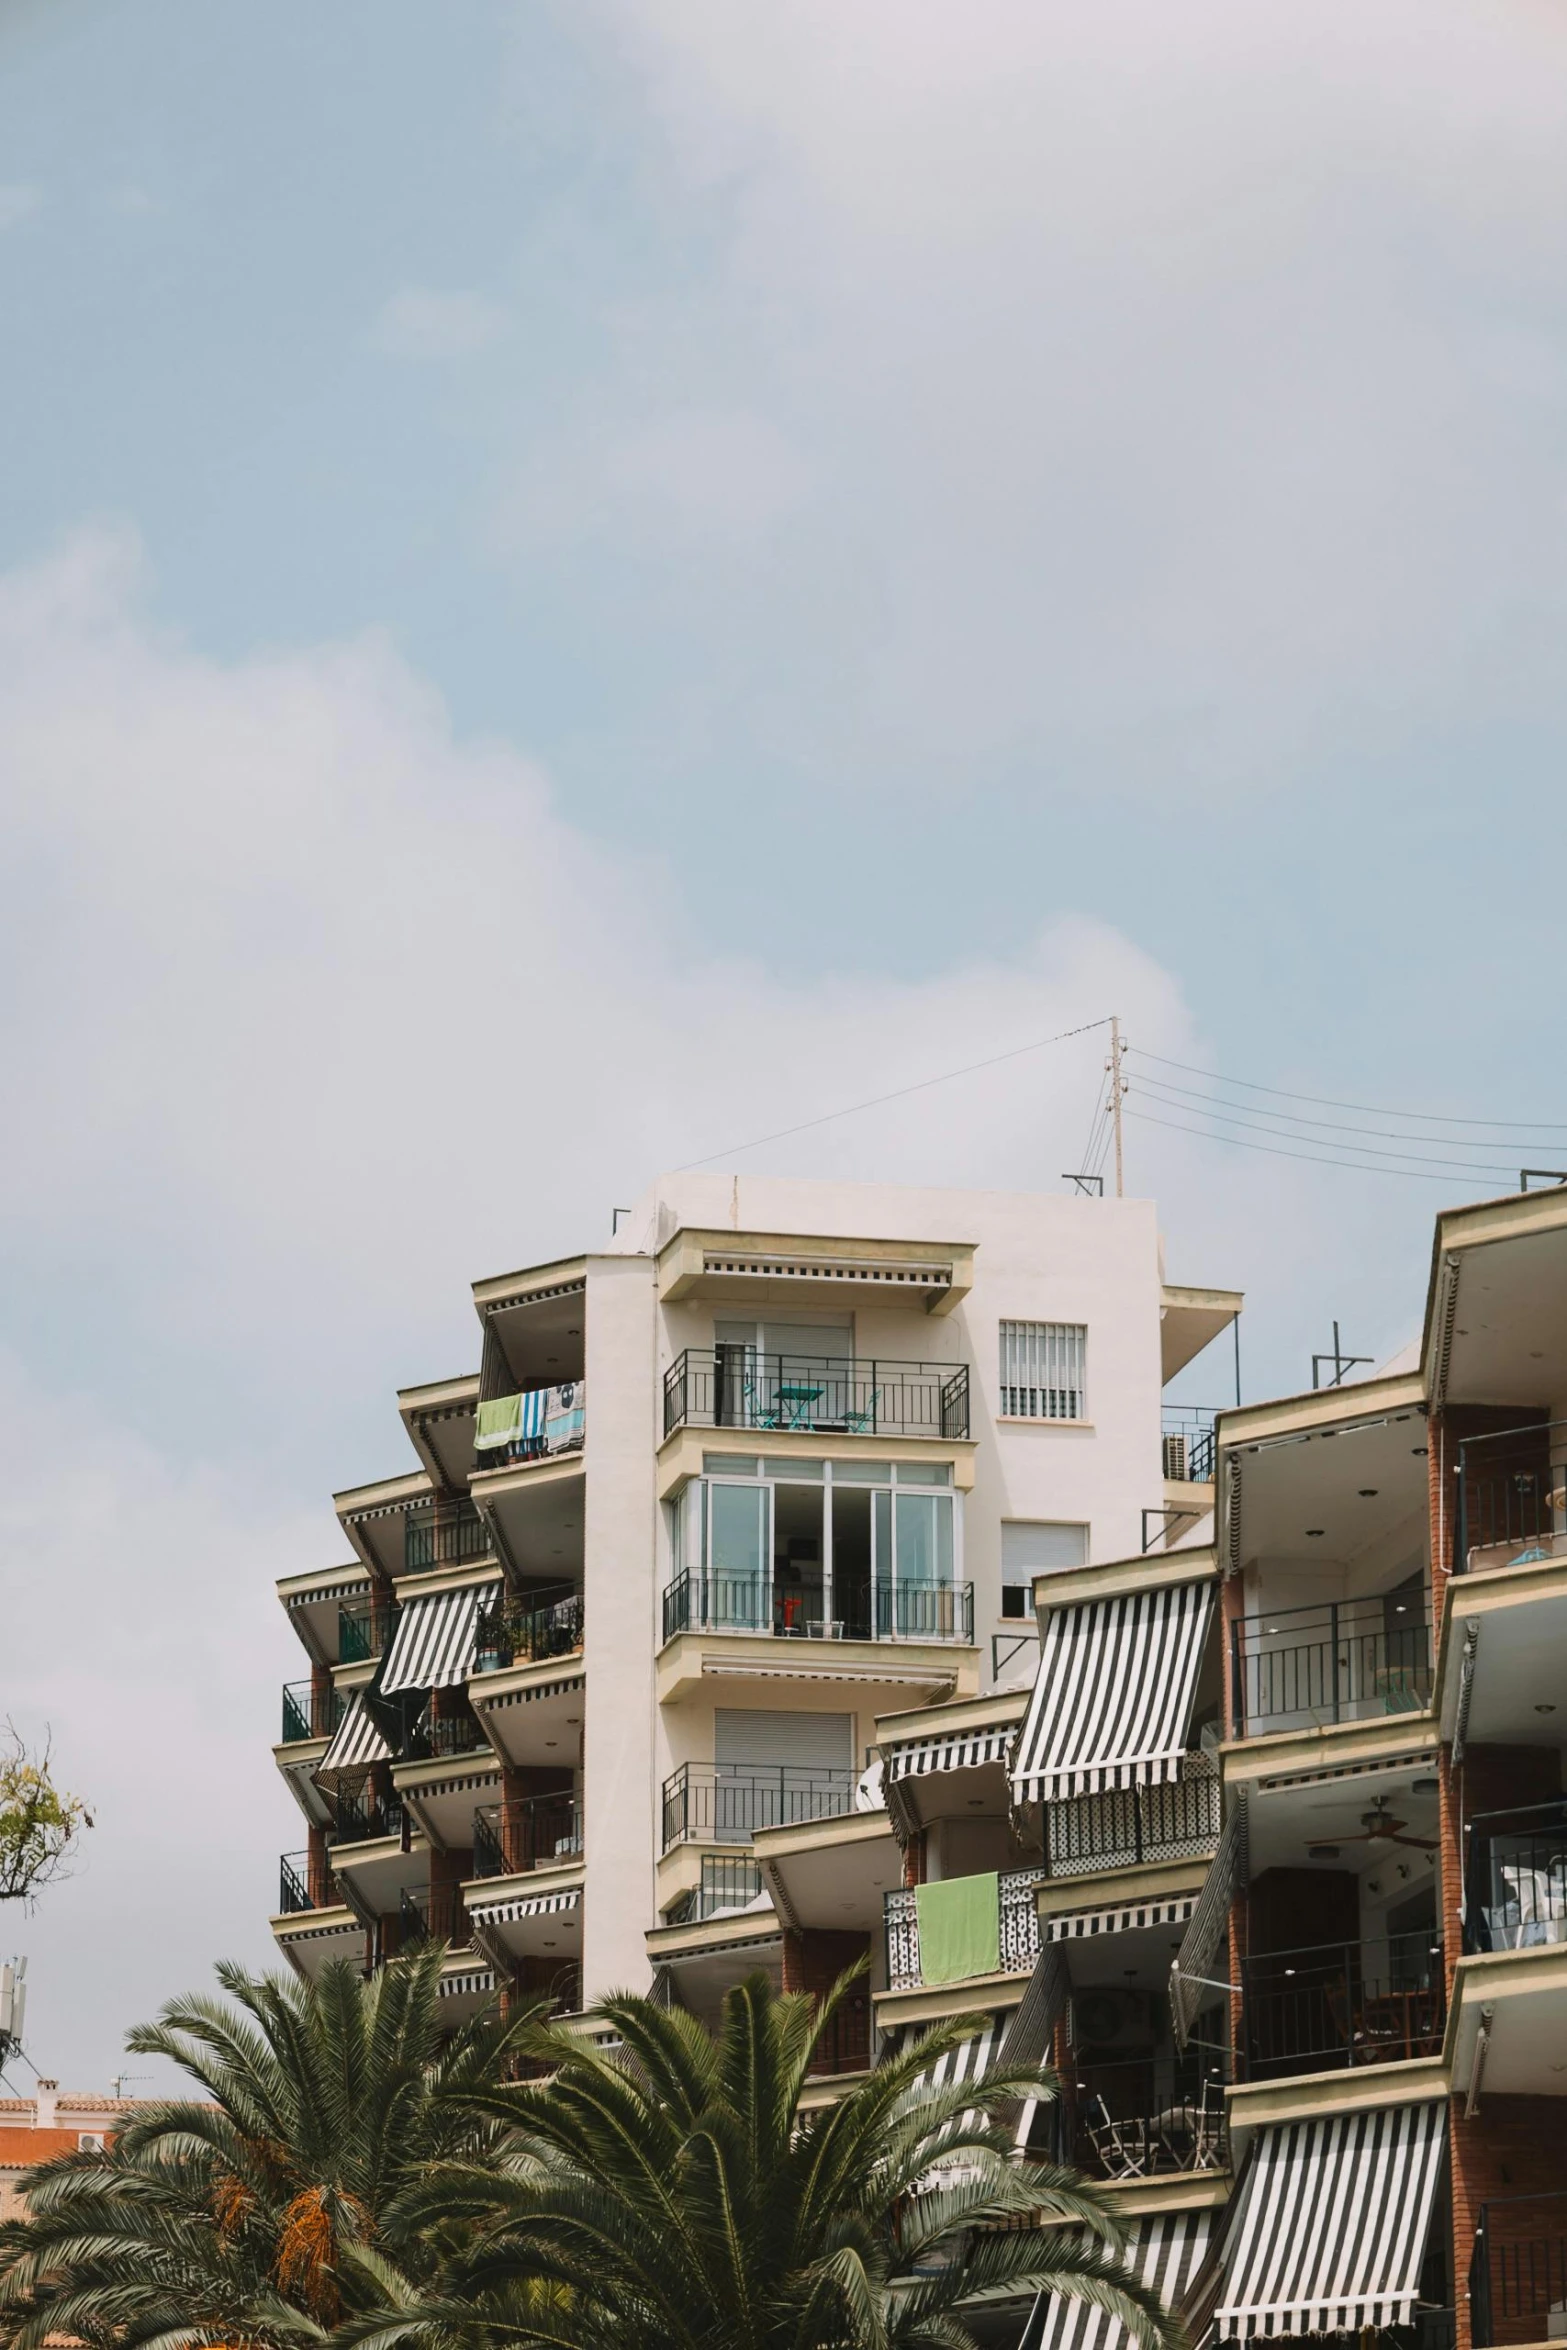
[(255, 2218), (675, 2194)]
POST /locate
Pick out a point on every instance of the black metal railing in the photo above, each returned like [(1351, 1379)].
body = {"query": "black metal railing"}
[(430, 1738), (362, 1818), (1158, 2113), (1339, 2004), (845, 2044), (1515, 1878), (535, 1832), (1176, 1821), (817, 1395), (309, 1712), (364, 1629), (1344, 1660), (302, 1887), (1518, 2272), (728, 1802), (881, 1611), (523, 1631), (443, 1534), (434, 1913), (1512, 1498), (1187, 1443)]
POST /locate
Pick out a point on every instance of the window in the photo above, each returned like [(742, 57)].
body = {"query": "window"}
[(1044, 1370), (1036, 1546)]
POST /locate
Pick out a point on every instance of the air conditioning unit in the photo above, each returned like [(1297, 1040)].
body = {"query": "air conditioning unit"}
[(1175, 1460), (1112, 2019), (91, 2141)]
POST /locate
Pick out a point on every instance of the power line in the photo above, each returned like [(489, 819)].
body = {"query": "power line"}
[(1370, 1109), (1269, 1122), (899, 1093), (1315, 1158)]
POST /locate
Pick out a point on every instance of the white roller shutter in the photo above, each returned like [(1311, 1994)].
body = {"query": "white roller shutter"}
[(809, 1742), (1040, 1546)]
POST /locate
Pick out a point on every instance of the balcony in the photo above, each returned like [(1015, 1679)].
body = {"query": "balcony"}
[(1516, 1878), (881, 1611), (308, 1713), (1512, 1499), (1187, 1442), (434, 1913), (1017, 1930), (530, 1425), (1335, 2005), (364, 1819), (302, 1886), (1351, 1660), (1156, 2115), (365, 1629), (432, 1739), (738, 1387), (539, 1832), (1518, 2273), (1176, 1821), (443, 1534), (517, 1632), (725, 1803), (728, 1883)]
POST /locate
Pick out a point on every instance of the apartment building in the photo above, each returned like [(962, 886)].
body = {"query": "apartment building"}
[(1284, 1884), (726, 1513)]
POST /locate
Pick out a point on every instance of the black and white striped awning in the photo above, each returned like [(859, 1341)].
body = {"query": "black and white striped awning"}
[(435, 1641), (1330, 2226), (536, 1905), (971, 2060), (568, 1686), (1164, 2252), (1113, 1693), (346, 1587), (474, 1979), (1127, 1917), (356, 1744), (963, 1750)]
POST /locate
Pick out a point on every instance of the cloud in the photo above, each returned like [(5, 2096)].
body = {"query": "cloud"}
[(18, 201), (422, 322), (314, 1013)]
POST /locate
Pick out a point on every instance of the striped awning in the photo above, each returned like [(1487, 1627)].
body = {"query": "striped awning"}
[(536, 1905), (356, 1744), (346, 1587), (1125, 1917), (475, 1979), (1164, 2252), (435, 1641), (1113, 1693), (1195, 1980), (964, 1750), (1330, 2226), (1028, 2036), (971, 2060)]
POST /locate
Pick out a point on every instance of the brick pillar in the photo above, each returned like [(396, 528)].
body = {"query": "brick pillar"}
[(1442, 1505), (914, 1861), (1240, 1937), (320, 1701), (316, 1871), (1232, 1606), (793, 1959), (1064, 2065)]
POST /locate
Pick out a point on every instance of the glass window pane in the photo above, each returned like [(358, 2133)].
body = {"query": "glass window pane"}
[(862, 1472), (793, 1469), (740, 1577), (924, 1473), (723, 1464), (923, 1524)]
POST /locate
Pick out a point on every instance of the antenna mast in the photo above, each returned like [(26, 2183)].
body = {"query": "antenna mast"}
[(1117, 1088)]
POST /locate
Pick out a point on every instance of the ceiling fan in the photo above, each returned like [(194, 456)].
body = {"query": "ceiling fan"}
[(1377, 1827)]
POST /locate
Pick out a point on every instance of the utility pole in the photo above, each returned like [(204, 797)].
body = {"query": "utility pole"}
[(1117, 1088)]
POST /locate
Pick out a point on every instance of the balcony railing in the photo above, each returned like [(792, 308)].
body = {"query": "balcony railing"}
[(1177, 1821), (1160, 2113), (302, 1886), (308, 1713), (530, 1424), (537, 1832), (1018, 1930), (1515, 1878), (1512, 1498), (363, 1819), (814, 1395), (365, 1629), (845, 2046), (1339, 2004), (518, 1632), (727, 1802), (1345, 1660), (430, 1739), (1187, 1431), (1518, 2273), (443, 1534), (435, 1913), (885, 1611)]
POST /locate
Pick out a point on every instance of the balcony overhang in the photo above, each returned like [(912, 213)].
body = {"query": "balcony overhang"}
[(680, 1456), (832, 1872), (886, 1670), (533, 1512), (1155, 1571), (1496, 1305), (532, 1714), (795, 1269), (1518, 1617), (979, 1995), (535, 1913), (439, 1418), (376, 1873), (1348, 1463), (1189, 1320), (1331, 1751), (309, 1938), (313, 1602), (298, 1763), (1171, 2191), (709, 1956), (468, 1984), (1255, 2105), (441, 1794), (372, 1517), (1509, 2011)]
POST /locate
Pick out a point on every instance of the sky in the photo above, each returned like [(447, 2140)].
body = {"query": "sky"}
[(581, 583)]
